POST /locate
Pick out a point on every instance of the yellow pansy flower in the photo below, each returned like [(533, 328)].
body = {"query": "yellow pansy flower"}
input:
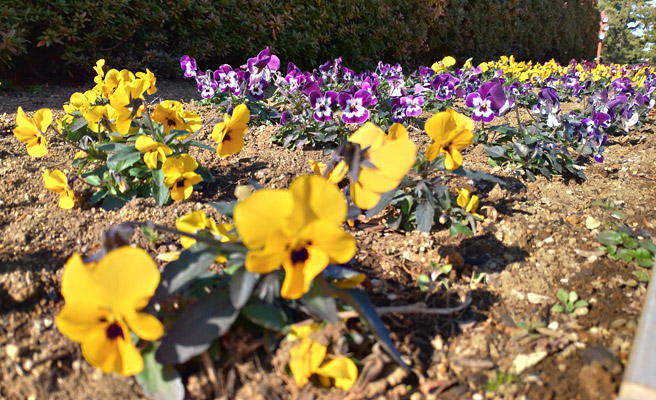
[(31, 131), (101, 118), (104, 299), (468, 202), (297, 229), (230, 133), (306, 357), (179, 176), (451, 132), (168, 113), (198, 221), (153, 150), (127, 100), (150, 77), (58, 183), (335, 176), (392, 156)]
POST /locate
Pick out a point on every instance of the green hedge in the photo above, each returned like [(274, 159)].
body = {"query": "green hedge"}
[(529, 29), (45, 40)]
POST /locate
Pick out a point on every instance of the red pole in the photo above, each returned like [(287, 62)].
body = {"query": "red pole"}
[(603, 27)]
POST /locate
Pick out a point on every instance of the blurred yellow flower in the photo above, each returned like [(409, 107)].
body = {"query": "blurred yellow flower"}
[(103, 300), (335, 176), (296, 228), (31, 130), (390, 156), (196, 222), (58, 183), (451, 132), (230, 133)]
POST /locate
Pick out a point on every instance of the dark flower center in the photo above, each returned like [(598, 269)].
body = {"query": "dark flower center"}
[(170, 122), (179, 184), (300, 256), (114, 331)]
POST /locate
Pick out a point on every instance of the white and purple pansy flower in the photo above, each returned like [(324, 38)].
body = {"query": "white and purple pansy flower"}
[(260, 67), (188, 65), (354, 107), (228, 79), (206, 84), (444, 85), (548, 106), (412, 105), (481, 107), (256, 90), (396, 86), (322, 105)]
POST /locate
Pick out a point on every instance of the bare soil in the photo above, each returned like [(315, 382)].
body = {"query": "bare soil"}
[(533, 242)]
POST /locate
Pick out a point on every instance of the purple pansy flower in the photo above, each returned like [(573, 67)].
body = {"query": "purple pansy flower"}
[(412, 105), (322, 105), (206, 84), (188, 65), (354, 107), (396, 85), (260, 67), (490, 101), (285, 117), (548, 105), (444, 85), (228, 79), (256, 90)]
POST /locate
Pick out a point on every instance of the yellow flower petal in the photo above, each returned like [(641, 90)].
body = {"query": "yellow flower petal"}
[(261, 214), (318, 198), (343, 370), (306, 357)]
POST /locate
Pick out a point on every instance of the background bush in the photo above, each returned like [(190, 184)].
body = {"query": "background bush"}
[(47, 40)]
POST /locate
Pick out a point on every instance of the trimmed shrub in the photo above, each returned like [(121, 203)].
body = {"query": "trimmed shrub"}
[(45, 40)]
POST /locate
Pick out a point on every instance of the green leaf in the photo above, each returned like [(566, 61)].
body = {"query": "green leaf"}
[(114, 201), (177, 274), (161, 382), (423, 281), (643, 257), (557, 308), (267, 316), (609, 238), (159, 190), (460, 228), (562, 295), (572, 297), (641, 275), (198, 326), (242, 283), (205, 174), (78, 124), (424, 215), (201, 145), (361, 303), (96, 197), (580, 303), (123, 158), (495, 151), (626, 254), (382, 203), (224, 207), (319, 300)]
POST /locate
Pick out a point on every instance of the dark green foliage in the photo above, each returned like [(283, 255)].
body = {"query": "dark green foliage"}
[(47, 40), (528, 29)]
